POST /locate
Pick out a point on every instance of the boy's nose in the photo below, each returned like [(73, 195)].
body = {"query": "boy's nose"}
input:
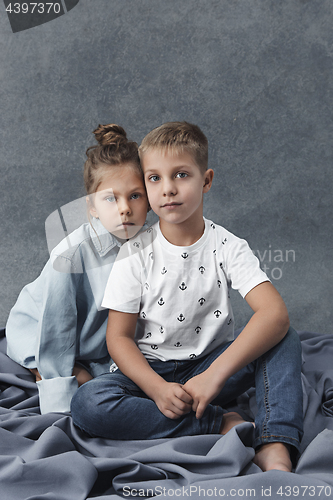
[(169, 188)]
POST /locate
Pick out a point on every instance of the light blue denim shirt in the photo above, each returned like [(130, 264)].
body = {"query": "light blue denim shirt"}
[(58, 320)]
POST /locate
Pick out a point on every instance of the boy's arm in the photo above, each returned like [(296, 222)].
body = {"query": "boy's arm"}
[(266, 328), (170, 398)]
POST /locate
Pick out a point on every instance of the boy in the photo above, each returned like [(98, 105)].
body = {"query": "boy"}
[(176, 363)]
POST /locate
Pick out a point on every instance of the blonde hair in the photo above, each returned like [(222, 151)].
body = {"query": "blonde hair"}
[(113, 150), (178, 137)]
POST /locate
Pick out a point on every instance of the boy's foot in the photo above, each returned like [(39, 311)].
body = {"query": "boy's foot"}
[(273, 456), (229, 421)]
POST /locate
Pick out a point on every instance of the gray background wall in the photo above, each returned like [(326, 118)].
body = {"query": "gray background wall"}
[(255, 75)]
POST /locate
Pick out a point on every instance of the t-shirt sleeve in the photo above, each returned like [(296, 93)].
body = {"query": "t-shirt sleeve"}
[(242, 266), (124, 288)]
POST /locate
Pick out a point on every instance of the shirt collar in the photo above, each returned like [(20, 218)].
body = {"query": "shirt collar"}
[(103, 240)]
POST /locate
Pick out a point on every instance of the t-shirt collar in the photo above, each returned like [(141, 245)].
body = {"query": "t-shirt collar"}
[(182, 250)]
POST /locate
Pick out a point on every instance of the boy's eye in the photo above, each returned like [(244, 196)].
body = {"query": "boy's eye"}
[(135, 196), (154, 178), (181, 175)]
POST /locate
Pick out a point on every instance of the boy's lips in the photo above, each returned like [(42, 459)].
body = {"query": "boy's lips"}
[(126, 224), (171, 205)]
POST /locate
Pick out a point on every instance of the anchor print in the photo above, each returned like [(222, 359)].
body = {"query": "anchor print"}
[(182, 286), (181, 318), (161, 302), (184, 255), (136, 244), (143, 314), (146, 286), (212, 225), (149, 230), (164, 270), (192, 356), (178, 344), (202, 301), (154, 347), (113, 367), (202, 269), (197, 329), (217, 313), (219, 283), (161, 329), (224, 241), (221, 265), (229, 322), (151, 255), (148, 335)]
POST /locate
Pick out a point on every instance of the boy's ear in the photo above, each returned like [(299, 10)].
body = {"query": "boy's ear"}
[(91, 208), (208, 180)]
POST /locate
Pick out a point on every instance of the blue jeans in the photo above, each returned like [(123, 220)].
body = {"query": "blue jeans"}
[(114, 407)]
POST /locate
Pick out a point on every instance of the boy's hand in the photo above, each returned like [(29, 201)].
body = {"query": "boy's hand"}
[(203, 388), (173, 401)]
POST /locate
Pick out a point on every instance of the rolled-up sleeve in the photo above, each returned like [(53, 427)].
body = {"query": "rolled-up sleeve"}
[(55, 394), (56, 341)]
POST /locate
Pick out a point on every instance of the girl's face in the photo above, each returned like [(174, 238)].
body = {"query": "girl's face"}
[(120, 201)]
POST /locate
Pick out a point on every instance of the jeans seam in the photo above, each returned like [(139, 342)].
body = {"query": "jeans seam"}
[(174, 370), (126, 390), (215, 419), (266, 398)]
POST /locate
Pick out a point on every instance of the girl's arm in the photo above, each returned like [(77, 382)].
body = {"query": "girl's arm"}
[(170, 398), (266, 328)]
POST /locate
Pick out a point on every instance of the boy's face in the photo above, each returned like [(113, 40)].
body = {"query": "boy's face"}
[(175, 185), (120, 202)]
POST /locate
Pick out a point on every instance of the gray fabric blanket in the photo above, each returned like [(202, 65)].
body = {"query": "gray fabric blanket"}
[(46, 457)]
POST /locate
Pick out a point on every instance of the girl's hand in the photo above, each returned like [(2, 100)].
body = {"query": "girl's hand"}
[(173, 401), (203, 388)]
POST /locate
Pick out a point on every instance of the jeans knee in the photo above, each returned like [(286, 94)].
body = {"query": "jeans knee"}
[(79, 403), (291, 349), (94, 401), (292, 339)]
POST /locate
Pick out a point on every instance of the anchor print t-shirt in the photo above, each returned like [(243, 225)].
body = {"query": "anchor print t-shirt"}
[(181, 294)]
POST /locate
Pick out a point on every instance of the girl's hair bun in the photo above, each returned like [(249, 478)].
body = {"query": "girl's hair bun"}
[(112, 149), (110, 134)]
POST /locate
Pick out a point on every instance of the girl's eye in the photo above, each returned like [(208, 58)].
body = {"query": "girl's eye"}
[(154, 178), (181, 175), (135, 196), (110, 199)]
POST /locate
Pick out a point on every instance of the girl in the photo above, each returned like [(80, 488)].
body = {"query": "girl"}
[(57, 327)]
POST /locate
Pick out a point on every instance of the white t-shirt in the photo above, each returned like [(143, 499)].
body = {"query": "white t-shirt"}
[(181, 293)]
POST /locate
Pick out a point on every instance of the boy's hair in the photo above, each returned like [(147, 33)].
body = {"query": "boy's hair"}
[(113, 149), (178, 137)]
